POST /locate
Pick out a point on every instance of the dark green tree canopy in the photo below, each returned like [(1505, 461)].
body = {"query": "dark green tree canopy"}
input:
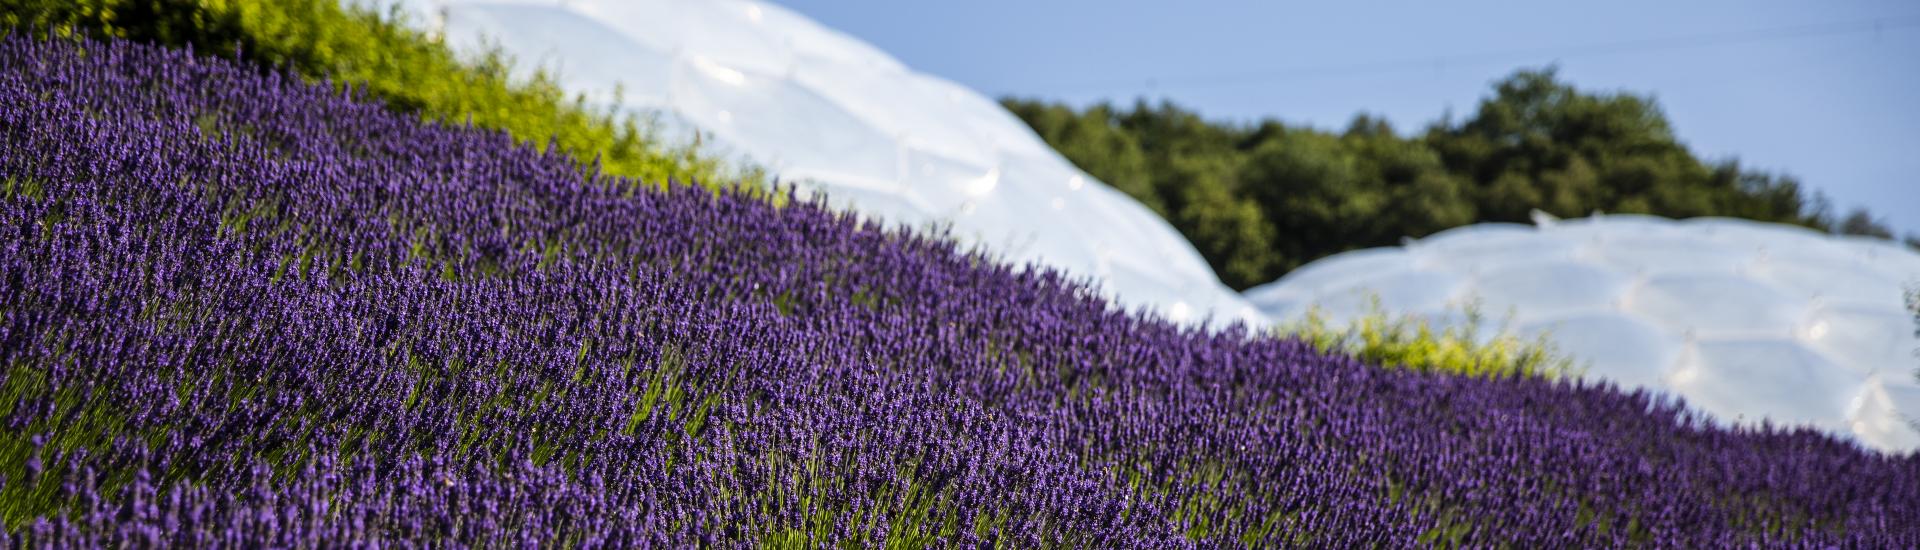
[(1261, 199)]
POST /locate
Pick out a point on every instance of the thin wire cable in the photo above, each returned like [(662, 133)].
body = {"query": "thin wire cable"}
[(1559, 52)]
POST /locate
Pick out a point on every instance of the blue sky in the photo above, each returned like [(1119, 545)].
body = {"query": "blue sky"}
[(1827, 91)]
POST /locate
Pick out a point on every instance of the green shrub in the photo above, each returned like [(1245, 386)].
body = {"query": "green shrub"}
[(1406, 342), (383, 54)]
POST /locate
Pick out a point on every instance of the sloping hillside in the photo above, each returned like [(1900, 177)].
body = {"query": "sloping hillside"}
[(244, 309)]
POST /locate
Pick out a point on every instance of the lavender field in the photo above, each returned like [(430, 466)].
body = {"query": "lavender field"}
[(237, 309)]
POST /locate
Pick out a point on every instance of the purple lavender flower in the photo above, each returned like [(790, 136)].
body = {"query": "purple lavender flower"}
[(240, 310)]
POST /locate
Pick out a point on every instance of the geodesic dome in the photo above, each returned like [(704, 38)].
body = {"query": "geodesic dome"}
[(831, 113), (1745, 320)]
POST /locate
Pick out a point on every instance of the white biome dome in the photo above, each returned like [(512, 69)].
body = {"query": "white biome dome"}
[(1744, 320), (830, 113)]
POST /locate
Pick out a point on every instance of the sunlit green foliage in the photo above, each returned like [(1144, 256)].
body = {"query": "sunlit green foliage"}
[(1411, 343), (386, 55)]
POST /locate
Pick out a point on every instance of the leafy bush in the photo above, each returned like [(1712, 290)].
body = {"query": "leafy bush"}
[(321, 39), (1404, 342), (240, 310)]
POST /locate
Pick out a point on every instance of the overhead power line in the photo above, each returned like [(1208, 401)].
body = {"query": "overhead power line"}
[(1557, 52)]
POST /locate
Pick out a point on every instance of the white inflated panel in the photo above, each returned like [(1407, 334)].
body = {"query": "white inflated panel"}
[(1744, 320), (829, 113)]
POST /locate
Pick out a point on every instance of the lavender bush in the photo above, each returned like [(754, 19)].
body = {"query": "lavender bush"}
[(242, 310)]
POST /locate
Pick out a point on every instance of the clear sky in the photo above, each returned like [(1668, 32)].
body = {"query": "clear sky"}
[(1827, 91)]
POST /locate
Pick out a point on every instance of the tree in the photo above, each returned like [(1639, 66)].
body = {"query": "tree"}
[(1862, 223)]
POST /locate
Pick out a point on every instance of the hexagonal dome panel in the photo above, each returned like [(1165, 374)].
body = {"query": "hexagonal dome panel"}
[(1745, 320), (833, 114)]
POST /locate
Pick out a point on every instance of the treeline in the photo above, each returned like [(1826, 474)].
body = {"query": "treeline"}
[(1259, 200)]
